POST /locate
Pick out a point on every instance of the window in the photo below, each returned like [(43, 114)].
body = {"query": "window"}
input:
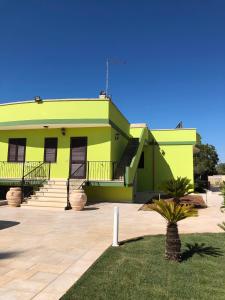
[(141, 164), (50, 154), (16, 150)]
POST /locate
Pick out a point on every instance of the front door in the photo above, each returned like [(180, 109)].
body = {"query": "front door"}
[(78, 157)]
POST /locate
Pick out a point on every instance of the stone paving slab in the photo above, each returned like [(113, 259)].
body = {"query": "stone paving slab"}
[(44, 252)]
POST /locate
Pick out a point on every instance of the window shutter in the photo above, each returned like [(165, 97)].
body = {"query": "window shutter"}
[(16, 151), (78, 149), (50, 153), (12, 151)]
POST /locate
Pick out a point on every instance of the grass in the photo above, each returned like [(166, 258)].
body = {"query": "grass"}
[(138, 270)]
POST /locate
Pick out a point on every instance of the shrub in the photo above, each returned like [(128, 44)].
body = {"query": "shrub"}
[(178, 188)]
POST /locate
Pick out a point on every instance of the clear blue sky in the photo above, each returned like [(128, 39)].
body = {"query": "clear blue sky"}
[(175, 53)]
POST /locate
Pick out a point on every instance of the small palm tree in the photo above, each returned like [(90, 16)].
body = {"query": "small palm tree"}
[(173, 213), (178, 188)]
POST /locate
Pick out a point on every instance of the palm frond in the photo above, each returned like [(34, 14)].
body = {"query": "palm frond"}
[(222, 226), (172, 211), (178, 187)]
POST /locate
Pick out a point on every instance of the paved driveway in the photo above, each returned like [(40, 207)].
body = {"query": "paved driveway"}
[(43, 252)]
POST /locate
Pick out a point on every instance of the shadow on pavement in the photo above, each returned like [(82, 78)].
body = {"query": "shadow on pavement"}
[(7, 224)]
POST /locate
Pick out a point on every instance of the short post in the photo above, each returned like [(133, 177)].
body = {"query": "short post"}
[(115, 226), (206, 192), (159, 196)]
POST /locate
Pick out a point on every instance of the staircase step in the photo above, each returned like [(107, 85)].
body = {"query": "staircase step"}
[(49, 198), (52, 190), (58, 183), (47, 204), (56, 186), (50, 208), (51, 194)]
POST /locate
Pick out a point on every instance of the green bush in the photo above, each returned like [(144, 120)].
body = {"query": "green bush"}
[(201, 185), (178, 188)]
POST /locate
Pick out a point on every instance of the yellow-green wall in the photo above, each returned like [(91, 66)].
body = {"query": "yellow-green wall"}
[(64, 110), (170, 156), (118, 145), (109, 194), (98, 145)]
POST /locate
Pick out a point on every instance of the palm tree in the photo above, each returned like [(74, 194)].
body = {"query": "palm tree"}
[(173, 213), (178, 188)]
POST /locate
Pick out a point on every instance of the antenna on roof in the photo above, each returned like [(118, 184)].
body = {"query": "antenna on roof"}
[(180, 125), (108, 62)]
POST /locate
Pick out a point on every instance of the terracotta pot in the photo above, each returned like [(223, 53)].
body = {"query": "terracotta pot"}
[(78, 199), (14, 196)]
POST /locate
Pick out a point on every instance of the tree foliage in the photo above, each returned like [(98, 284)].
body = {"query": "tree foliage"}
[(205, 161), (220, 168)]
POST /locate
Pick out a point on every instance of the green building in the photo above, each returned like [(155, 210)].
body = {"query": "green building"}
[(88, 142)]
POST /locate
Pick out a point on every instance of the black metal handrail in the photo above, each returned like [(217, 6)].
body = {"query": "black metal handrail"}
[(27, 174), (98, 170), (95, 170), (36, 176)]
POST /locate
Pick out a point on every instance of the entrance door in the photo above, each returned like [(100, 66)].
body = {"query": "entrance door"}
[(78, 157)]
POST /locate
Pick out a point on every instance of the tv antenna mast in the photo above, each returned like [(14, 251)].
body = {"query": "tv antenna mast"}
[(108, 62)]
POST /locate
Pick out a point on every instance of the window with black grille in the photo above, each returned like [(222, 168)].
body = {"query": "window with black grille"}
[(16, 150), (50, 153)]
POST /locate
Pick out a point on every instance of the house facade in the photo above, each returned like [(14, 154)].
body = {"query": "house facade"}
[(89, 141)]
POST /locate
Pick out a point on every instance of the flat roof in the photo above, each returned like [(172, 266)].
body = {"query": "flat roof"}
[(52, 100), (173, 129)]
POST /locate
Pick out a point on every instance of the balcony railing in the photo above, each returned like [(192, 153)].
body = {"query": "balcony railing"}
[(94, 171), (26, 171), (97, 170)]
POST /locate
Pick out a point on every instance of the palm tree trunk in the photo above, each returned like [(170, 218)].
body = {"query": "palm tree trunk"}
[(173, 243)]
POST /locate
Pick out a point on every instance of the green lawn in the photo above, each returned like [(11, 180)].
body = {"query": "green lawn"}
[(137, 270)]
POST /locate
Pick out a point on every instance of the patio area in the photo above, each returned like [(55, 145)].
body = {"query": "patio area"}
[(43, 252)]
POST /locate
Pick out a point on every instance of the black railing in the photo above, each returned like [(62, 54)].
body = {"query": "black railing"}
[(94, 171), (35, 175), (28, 175)]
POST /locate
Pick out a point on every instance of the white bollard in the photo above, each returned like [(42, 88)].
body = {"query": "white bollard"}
[(115, 227)]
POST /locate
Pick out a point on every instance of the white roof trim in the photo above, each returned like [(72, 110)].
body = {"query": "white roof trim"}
[(51, 126), (54, 100)]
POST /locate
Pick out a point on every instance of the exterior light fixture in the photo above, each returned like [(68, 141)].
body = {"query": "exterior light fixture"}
[(38, 99), (117, 135), (63, 131)]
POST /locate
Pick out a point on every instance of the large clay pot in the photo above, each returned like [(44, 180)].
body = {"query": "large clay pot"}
[(78, 199), (14, 196)]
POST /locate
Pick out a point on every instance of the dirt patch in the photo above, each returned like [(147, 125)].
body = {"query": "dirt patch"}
[(195, 200)]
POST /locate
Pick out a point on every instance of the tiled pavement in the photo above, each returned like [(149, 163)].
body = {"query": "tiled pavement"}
[(45, 251)]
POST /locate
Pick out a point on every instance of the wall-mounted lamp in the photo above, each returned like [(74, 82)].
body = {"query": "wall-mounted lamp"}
[(163, 152), (117, 135), (38, 99), (63, 131)]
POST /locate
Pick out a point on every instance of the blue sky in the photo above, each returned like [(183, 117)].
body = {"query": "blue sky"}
[(175, 54)]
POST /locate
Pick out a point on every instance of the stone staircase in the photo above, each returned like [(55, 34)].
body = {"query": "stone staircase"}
[(129, 153), (53, 194)]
